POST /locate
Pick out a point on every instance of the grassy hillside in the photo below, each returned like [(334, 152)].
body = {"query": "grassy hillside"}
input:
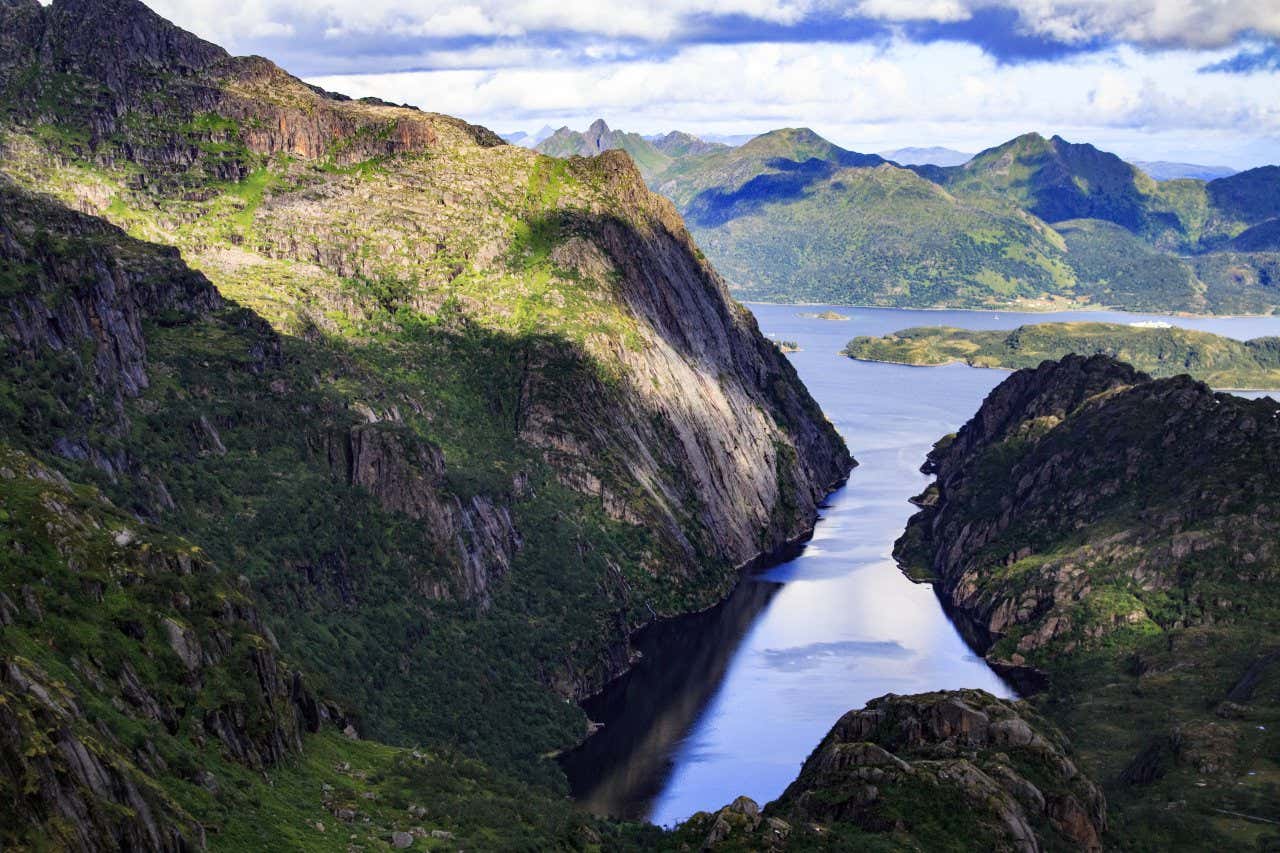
[(1219, 361), (878, 236)]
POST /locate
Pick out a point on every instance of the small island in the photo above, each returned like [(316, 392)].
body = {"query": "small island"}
[(823, 315), (788, 346), (1159, 350)]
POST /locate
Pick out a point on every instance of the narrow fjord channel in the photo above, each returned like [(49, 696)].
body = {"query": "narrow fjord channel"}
[(731, 701)]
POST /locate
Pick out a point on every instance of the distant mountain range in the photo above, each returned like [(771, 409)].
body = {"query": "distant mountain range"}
[(933, 156), (1034, 223), (527, 140), (1163, 170)]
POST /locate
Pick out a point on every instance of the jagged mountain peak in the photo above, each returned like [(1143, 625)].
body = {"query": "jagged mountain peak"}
[(105, 37)]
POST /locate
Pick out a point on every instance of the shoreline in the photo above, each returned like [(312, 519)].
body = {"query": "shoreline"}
[(1016, 369), (1080, 309), (744, 571)]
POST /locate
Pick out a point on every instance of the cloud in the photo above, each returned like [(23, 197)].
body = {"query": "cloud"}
[(833, 85), (799, 658), (1140, 75), (1061, 23), (1248, 61)]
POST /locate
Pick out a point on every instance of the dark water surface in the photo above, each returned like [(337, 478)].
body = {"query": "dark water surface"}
[(731, 701)]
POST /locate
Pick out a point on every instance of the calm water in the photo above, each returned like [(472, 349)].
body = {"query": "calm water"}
[(732, 701)]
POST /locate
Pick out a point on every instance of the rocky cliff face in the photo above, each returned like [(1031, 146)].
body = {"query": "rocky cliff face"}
[(432, 392), (1111, 539), (1084, 472), (76, 287), (407, 475), (926, 772)]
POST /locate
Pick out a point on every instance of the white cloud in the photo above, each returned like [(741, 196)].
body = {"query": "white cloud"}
[(1198, 23), (869, 98), (865, 95)]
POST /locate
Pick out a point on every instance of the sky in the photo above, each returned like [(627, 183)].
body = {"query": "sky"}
[(1189, 80)]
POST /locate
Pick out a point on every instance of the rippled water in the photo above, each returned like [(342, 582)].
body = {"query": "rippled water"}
[(732, 701)]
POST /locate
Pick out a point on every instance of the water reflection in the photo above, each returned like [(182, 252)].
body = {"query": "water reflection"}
[(731, 701), (651, 709)]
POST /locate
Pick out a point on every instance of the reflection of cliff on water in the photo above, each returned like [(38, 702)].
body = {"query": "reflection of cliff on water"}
[(647, 712)]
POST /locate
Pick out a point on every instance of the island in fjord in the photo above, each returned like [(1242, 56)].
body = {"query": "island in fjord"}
[(1158, 350)]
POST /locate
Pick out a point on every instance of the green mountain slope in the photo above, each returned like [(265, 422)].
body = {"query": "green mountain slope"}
[(1115, 535), (463, 415), (776, 217), (877, 236), (1056, 180), (789, 215), (1221, 362)]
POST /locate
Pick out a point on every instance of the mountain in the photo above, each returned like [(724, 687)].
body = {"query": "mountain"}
[(932, 156), (339, 428), (1034, 223), (878, 236), (1111, 538), (1055, 180), (1168, 351), (680, 144), (773, 165), (527, 140), (1162, 170), (1250, 197), (775, 216), (599, 138)]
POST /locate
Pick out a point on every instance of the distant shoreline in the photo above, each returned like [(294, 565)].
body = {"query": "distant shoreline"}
[(964, 363), (1027, 311)]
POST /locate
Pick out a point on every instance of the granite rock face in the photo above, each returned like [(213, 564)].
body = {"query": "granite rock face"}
[(1083, 477)]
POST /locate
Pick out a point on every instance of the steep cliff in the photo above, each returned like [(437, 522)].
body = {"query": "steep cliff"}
[(1116, 535), (464, 416)]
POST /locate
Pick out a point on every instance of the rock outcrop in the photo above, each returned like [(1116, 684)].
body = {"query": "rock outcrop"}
[(1084, 478), (407, 475), (921, 772)]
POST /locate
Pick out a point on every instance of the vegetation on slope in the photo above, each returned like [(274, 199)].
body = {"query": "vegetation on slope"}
[(1116, 534), (1221, 362), (790, 216), (453, 408)]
